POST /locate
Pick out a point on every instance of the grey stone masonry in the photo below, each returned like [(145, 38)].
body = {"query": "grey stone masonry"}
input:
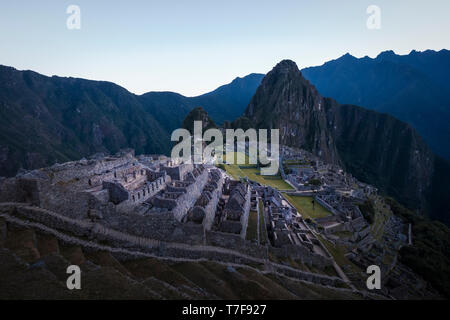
[(188, 199)]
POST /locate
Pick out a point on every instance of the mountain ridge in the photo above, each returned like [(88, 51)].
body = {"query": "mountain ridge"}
[(45, 120), (375, 147), (410, 87)]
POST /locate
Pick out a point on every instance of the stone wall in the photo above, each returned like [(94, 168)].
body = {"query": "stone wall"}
[(334, 228), (328, 219), (145, 192), (358, 223), (293, 181), (235, 242), (117, 193), (84, 169), (153, 175), (125, 243), (326, 205), (188, 199), (244, 217), (64, 187), (283, 174), (210, 209), (177, 172), (301, 253), (64, 200), (9, 191)]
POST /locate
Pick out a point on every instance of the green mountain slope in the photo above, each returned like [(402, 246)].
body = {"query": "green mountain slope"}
[(44, 120)]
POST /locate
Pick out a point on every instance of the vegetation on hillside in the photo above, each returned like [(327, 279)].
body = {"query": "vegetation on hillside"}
[(429, 256), (368, 210), (198, 114)]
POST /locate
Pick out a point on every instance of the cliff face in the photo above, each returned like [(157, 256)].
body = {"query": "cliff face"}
[(374, 147), (286, 101), (383, 151)]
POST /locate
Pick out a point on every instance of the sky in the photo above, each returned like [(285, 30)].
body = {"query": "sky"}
[(192, 47)]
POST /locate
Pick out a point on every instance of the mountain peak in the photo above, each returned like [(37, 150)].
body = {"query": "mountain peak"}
[(386, 54), (285, 69), (347, 56), (198, 114), (284, 66)]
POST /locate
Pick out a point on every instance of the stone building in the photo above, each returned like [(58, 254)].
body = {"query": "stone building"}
[(234, 216), (186, 185), (205, 207), (104, 184)]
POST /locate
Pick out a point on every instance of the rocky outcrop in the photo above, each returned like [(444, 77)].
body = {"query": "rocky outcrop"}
[(198, 114), (286, 101)]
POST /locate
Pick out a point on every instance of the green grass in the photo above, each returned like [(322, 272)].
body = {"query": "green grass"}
[(234, 171), (252, 227), (382, 215), (253, 173), (305, 207)]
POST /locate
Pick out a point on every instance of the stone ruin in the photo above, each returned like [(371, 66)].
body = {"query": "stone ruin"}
[(102, 187), (186, 185), (232, 216), (78, 188), (286, 225), (146, 196), (204, 210)]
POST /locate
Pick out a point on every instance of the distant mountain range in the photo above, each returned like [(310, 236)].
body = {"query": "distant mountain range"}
[(413, 88), (226, 103), (375, 147), (44, 120)]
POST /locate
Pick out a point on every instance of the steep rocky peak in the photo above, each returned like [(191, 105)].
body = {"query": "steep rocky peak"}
[(286, 72), (283, 91), (286, 66)]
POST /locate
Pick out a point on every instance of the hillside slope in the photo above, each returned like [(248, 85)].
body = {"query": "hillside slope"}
[(226, 103), (32, 261), (51, 119), (44, 120)]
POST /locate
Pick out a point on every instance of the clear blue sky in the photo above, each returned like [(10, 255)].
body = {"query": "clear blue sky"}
[(192, 47)]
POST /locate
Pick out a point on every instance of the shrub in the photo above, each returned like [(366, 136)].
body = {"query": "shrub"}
[(429, 256)]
